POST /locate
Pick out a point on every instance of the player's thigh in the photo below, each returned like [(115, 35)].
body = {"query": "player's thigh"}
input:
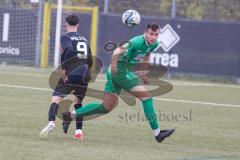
[(110, 100), (62, 90), (80, 92), (127, 81), (140, 92), (131, 83), (110, 86)]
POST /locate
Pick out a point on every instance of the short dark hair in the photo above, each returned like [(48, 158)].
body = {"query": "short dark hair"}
[(153, 26), (72, 20)]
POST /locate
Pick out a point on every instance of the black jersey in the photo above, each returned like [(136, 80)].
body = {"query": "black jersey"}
[(76, 53)]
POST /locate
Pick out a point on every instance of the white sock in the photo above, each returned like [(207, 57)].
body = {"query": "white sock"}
[(73, 113), (77, 131), (156, 131)]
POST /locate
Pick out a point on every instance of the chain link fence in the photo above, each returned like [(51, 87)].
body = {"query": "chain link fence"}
[(20, 32), (210, 10)]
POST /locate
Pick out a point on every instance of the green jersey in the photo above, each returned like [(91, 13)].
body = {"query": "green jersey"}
[(125, 79), (137, 48)]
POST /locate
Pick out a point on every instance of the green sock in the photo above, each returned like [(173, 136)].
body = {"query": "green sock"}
[(150, 113), (92, 108)]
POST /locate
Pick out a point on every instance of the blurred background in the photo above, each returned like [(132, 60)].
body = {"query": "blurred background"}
[(199, 37), (211, 10), (199, 47)]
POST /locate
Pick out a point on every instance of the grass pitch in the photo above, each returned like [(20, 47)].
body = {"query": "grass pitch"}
[(205, 115)]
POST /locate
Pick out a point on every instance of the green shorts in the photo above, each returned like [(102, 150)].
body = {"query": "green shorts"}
[(121, 80)]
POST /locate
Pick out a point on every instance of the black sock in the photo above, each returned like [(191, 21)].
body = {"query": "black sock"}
[(52, 112), (79, 120)]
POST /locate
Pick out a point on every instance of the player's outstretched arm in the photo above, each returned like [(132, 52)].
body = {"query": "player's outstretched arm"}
[(117, 52)]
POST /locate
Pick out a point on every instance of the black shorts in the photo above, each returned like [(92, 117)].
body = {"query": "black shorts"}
[(62, 89)]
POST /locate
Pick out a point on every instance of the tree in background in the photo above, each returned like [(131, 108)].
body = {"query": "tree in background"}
[(165, 7)]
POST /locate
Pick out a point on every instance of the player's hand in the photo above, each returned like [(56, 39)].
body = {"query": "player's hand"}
[(145, 79), (65, 79), (113, 69)]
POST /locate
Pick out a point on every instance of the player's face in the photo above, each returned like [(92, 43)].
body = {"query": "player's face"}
[(151, 36)]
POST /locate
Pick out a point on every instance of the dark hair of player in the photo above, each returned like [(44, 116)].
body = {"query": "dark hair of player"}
[(72, 20), (152, 26)]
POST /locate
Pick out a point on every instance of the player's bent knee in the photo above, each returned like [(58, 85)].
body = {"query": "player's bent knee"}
[(110, 101), (109, 107), (56, 99), (141, 93)]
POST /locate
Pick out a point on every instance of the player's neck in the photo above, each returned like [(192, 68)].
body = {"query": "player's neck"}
[(71, 29)]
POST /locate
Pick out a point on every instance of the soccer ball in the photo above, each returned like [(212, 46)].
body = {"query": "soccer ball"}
[(131, 18)]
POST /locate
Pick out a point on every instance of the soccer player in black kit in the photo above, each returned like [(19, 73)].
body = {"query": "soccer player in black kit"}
[(76, 61)]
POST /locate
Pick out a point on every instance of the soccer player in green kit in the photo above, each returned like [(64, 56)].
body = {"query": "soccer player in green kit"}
[(120, 75)]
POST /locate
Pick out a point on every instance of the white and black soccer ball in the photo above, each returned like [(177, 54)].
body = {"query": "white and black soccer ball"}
[(131, 18)]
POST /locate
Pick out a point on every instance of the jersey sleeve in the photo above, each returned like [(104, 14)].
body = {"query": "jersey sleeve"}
[(65, 42), (131, 44), (131, 47), (66, 45)]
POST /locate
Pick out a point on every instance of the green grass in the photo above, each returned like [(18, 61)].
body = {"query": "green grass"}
[(213, 133)]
